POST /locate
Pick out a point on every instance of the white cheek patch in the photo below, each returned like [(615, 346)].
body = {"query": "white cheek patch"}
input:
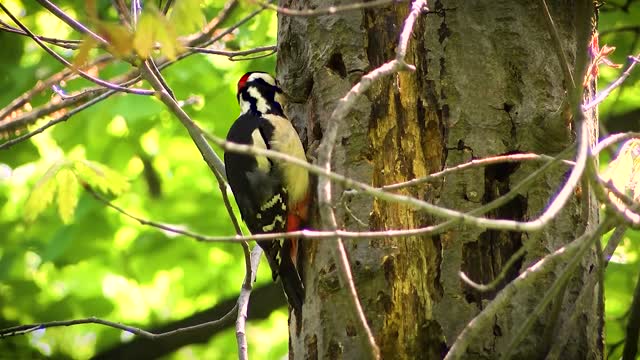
[(245, 106), (261, 102)]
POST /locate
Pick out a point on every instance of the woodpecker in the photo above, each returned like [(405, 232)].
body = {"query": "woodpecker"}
[(272, 195)]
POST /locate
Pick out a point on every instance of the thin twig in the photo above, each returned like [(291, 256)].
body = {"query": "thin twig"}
[(612, 140), (71, 66), (24, 119), (63, 43), (76, 25), (614, 241), (329, 10), (26, 329), (324, 161), (211, 158), (104, 93), (586, 292), (207, 31), (503, 273), (270, 50), (65, 117), (152, 74), (167, 6), (230, 29), (123, 12), (557, 44), (627, 28), (486, 319), (614, 85), (362, 235), (555, 289), (243, 303), (473, 164), (533, 225)]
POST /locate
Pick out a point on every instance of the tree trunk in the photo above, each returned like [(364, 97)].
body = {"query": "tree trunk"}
[(487, 82)]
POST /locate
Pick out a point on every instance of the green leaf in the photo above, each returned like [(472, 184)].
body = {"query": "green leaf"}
[(145, 35), (186, 16), (82, 55), (166, 36), (67, 194), (42, 193), (101, 177), (119, 37), (155, 27)]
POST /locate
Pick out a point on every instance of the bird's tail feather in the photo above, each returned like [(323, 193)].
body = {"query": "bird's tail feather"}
[(292, 285)]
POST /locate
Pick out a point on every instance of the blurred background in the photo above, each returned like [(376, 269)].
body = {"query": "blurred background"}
[(94, 261)]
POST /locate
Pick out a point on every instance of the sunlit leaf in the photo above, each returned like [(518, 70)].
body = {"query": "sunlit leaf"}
[(42, 193), (101, 177), (154, 27), (145, 34), (186, 16), (91, 8), (119, 37), (67, 194), (624, 170), (169, 44), (82, 55)]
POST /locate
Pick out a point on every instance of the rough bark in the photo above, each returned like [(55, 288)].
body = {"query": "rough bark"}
[(488, 82)]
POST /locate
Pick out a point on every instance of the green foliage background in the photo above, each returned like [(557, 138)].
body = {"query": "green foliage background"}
[(99, 263)]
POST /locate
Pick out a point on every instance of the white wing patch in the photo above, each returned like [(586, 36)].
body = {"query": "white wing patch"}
[(258, 141), (285, 140), (270, 227), (269, 204)]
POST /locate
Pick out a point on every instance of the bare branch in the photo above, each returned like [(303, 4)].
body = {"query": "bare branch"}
[(501, 276), (60, 119), (568, 326), (76, 25), (557, 287), (473, 164), (633, 60), (167, 6), (123, 11), (627, 28), (207, 32), (362, 235), (48, 109), (45, 84), (63, 43), (228, 30), (545, 266), (210, 157), (438, 211), (612, 140), (243, 303), (557, 44), (26, 329), (270, 50), (329, 10), (71, 66), (23, 120)]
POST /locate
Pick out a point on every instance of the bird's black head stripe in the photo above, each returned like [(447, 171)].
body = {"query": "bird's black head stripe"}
[(267, 92)]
